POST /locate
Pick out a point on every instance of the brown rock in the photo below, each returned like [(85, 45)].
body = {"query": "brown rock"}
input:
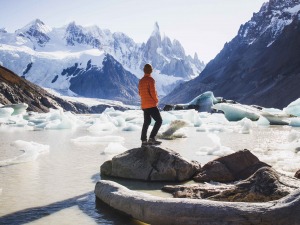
[(236, 166), (297, 174), (215, 171)]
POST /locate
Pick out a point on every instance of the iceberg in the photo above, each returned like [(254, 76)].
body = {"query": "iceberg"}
[(202, 103), (236, 111), (293, 108), (31, 150), (6, 112), (17, 108)]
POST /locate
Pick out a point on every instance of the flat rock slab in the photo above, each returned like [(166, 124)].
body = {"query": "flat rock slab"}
[(157, 210), (150, 163)]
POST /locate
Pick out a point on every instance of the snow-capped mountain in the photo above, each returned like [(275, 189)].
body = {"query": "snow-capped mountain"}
[(261, 65), (92, 62)]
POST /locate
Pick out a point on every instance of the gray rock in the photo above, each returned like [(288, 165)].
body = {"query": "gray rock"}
[(233, 167), (150, 163), (157, 210)]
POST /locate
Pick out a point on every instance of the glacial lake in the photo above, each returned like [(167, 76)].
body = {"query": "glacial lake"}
[(56, 185)]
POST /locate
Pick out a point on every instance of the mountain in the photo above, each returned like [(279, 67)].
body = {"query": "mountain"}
[(261, 65), (15, 90), (94, 62)]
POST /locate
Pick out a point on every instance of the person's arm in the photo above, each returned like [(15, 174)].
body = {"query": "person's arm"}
[(152, 90)]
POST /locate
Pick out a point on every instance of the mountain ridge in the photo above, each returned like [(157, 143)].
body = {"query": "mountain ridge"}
[(254, 69), (41, 54)]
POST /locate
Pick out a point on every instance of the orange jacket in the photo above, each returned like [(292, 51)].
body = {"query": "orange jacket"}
[(147, 91)]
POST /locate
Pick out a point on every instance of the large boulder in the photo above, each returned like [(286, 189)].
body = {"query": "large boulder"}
[(150, 163), (233, 167)]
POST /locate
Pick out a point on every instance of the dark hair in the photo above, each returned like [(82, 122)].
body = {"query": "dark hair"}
[(148, 69)]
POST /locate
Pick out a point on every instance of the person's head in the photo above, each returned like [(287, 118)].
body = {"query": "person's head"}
[(148, 69)]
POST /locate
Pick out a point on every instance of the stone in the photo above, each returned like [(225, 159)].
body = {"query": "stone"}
[(233, 167), (264, 185), (177, 211), (150, 163), (297, 174), (216, 171)]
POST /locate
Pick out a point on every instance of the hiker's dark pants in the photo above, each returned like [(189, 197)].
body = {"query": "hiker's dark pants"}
[(148, 114)]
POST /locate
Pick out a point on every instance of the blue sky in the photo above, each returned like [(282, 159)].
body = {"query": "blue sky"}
[(202, 26)]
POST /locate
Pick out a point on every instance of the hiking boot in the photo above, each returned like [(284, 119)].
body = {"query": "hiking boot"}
[(153, 141), (145, 143)]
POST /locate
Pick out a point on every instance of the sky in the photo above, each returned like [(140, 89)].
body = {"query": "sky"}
[(201, 26)]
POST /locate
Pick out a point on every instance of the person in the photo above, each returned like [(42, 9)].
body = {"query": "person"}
[(149, 102)]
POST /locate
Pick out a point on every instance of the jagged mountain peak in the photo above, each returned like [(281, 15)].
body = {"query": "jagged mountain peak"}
[(270, 20), (3, 30), (259, 66), (156, 31), (37, 25), (36, 31)]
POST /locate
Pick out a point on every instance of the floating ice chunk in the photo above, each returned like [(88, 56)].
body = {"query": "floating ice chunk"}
[(262, 121), (131, 127), (31, 151), (100, 140), (277, 119), (193, 117), (181, 133), (217, 149), (114, 148), (293, 108), (167, 117), (236, 112), (272, 110), (6, 112), (18, 108), (216, 118), (294, 122), (102, 126), (294, 136), (246, 126), (172, 128), (112, 112), (205, 101), (213, 128)]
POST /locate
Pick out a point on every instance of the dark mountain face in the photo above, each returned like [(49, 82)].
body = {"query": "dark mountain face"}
[(261, 65), (110, 82), (14, 90)]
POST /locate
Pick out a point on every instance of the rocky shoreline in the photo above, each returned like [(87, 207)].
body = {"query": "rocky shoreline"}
[(260, 194)]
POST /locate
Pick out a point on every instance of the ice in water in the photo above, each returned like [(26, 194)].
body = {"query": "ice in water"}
[(114, 148), (31, 150), (293, 108)]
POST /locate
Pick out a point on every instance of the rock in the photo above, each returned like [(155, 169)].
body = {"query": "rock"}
[(157, 210), (175, 125), (150, 163), (297, 174), (264, 185), (215, 171), (233, 167)]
